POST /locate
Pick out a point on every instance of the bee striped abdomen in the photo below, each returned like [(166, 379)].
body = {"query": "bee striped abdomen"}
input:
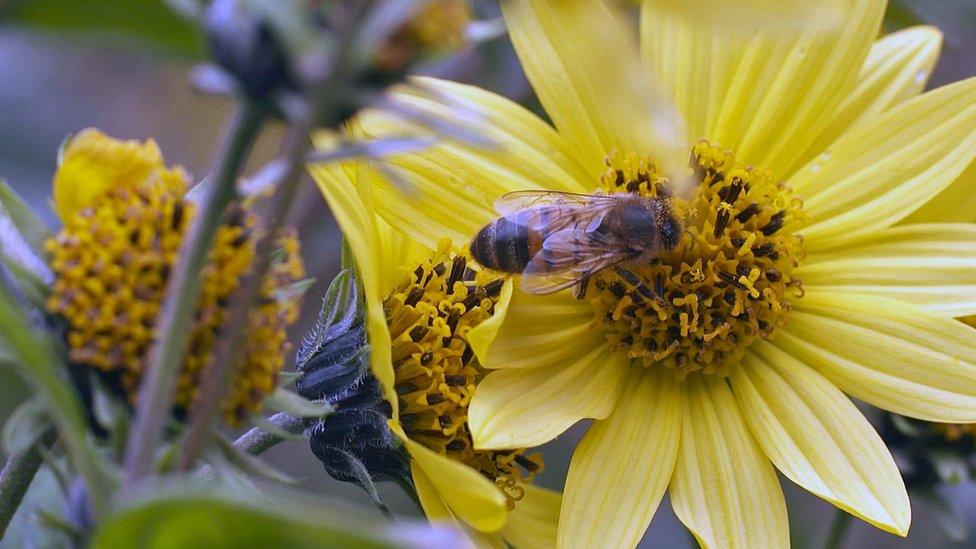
[(504, 245)]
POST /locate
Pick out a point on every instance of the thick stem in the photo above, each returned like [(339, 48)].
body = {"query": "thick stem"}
[(839, 527), (257, 441), (15, 479), (165, 358)]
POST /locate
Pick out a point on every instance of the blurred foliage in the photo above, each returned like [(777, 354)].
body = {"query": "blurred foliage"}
[(151, 23), (191, 518)]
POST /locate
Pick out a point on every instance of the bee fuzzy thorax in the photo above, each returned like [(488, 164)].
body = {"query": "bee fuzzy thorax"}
[(725, 280)]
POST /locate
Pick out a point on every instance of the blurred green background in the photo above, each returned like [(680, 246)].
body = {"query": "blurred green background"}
[(122, 66)]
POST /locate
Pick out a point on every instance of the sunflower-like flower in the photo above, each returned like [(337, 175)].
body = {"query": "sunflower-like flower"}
[(728, 357), (421, 304), (124, 215)]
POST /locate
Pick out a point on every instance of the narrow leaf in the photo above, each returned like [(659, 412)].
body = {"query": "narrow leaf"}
[(292, 403), (30, 226), (25, 426)]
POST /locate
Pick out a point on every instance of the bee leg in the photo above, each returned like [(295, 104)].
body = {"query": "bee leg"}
[(579, 291)]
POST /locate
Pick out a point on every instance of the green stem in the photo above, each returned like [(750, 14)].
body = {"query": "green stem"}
[(165, 358), (839, 527), (256, 441), (15, 478)]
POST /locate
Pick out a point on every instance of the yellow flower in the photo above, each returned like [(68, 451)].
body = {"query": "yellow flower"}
[(124, 215), (753, 364), (421, 303)]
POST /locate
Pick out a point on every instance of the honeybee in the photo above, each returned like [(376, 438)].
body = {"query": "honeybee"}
[(558, 240)]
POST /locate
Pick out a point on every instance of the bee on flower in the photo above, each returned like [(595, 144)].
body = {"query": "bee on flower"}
[(798, 276)]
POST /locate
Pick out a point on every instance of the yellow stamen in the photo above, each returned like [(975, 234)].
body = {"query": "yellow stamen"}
[(111, 263), (728, 282), (429, 313)]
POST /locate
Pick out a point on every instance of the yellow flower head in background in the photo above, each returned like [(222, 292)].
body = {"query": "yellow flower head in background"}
[(124, 215), (798, 277), (421, 305)]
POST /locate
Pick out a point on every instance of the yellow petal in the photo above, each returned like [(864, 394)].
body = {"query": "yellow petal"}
[(784, 87), (517, 408), (887, 353), (877, 174), (448, 190), (623, 465), (896, 70), (350, 201), (94, 162), (932, 266), (430, 499), (469, 495), (437, 512), (736, 15), (532, 524), (531, 331), (724, 489), (583, 64), (956, 203), (818, 438)]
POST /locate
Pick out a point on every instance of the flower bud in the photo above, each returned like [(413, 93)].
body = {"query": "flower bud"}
[(245, 46), (354, 443)]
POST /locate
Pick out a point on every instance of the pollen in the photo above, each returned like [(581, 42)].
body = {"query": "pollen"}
[(429, 313), (729, 281), (112, 261)]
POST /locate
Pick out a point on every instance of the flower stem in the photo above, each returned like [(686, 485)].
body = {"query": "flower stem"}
[(183, 291), (216, 374), (839, 527), (256, 441), (15, 478)]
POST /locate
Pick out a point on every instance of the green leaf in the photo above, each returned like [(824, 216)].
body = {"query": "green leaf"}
[(30, 226), (291, 403), (252, 465), (25, 426), (149, 22), (190, 517), (35, 353), (293, 291)]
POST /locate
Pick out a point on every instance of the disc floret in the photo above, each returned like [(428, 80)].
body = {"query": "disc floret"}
[(729, 280), (429, 314), (112, 261)]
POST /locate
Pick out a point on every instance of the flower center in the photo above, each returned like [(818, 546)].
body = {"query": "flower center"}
[(429, 313), (111, 263), (727, 282)]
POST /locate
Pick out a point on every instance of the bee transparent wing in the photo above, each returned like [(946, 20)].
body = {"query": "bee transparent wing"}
[(514, 201), (554, 210), (568, 257)]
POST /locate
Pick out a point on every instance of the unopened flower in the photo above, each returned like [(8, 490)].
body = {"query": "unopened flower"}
[(790, 286), (124, 215), (435, 27), (421, 305)]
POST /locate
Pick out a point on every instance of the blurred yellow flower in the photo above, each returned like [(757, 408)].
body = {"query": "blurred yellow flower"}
[(421, 304), (124, 215), (732, 354)]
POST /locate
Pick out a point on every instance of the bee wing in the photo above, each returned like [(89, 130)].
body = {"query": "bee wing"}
[(554, 210), (570, 256)]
